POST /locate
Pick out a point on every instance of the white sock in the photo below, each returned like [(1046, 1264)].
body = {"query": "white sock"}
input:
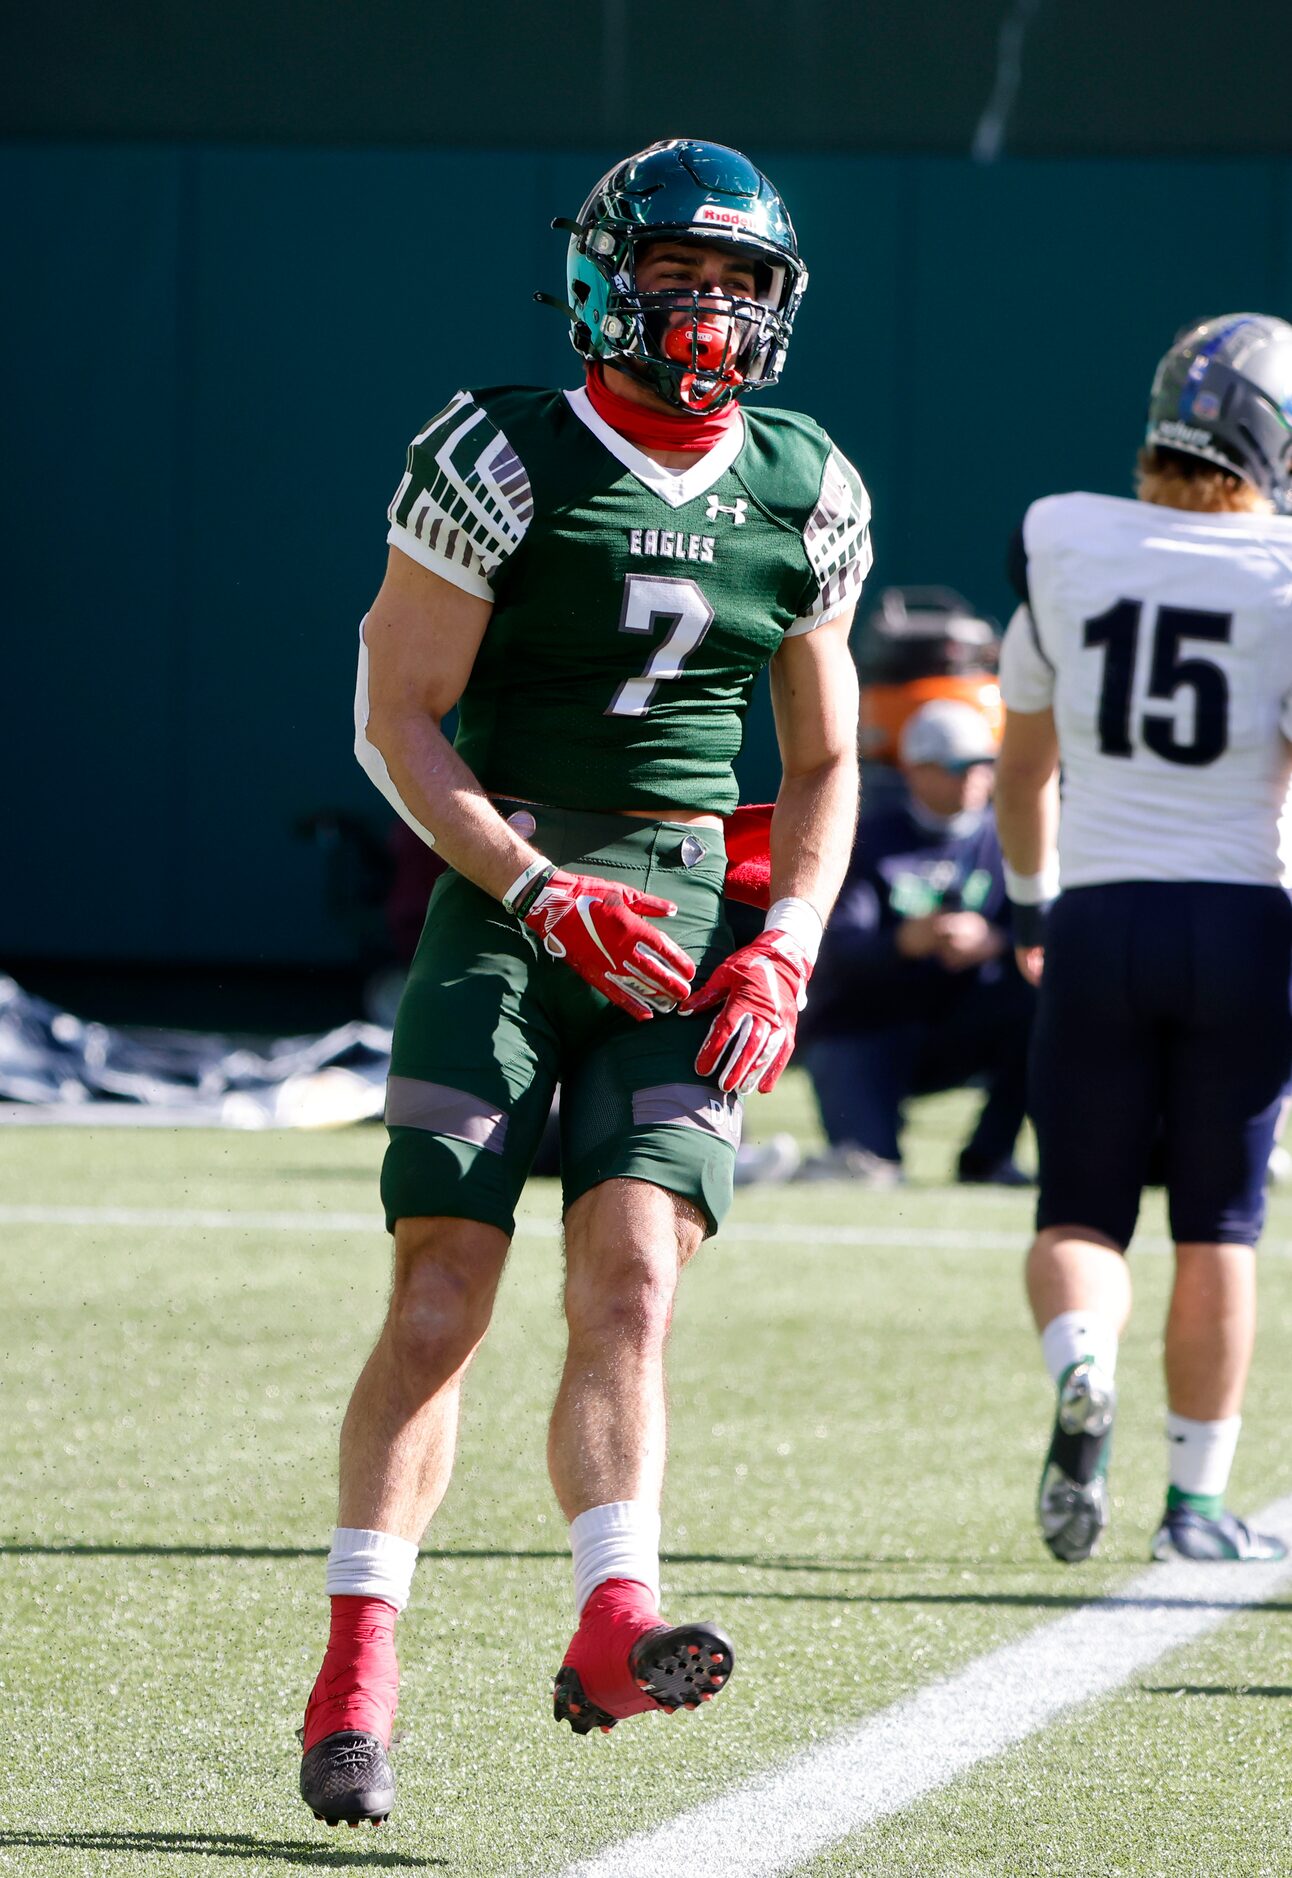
[(1200, 1454), (1073, 1335), (620, 1540), (366, 1564)]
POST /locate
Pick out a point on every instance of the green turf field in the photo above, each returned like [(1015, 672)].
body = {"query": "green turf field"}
[(857, 1431)]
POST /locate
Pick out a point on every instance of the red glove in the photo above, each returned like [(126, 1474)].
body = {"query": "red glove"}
[(752, 1038), (597, 927)]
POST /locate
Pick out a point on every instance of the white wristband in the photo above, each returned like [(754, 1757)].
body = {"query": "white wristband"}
[(1033, 889), (522, 881), (800, 919)]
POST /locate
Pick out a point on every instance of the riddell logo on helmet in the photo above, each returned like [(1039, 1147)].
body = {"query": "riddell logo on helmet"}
[(1171, 430), (717, 216)]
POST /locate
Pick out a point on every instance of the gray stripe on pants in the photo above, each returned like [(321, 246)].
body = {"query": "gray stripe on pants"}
[(412, 1103), (689, 1105)]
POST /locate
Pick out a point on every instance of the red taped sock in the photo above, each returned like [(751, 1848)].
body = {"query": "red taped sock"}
[(618, 1612), (358, 1685)]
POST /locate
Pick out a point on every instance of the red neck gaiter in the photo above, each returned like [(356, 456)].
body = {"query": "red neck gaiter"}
[(692, 431)]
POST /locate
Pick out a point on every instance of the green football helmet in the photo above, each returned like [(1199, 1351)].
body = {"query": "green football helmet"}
[(700, 192)]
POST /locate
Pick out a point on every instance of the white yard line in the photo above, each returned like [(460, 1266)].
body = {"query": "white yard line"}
[(189, 1219), (777, 1821), (224, 1219), (221, 1219)]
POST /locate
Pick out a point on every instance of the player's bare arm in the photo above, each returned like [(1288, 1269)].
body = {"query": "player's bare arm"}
[(814, 699), (1027, 815), (423, 635), (762, 987)]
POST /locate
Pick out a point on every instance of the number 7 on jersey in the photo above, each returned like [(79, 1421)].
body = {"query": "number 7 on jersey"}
[(651, 600)]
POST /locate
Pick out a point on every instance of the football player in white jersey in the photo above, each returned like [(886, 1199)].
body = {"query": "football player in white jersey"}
[(1152, 658)]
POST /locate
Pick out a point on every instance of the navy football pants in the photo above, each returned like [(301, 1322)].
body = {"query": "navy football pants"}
[(1163, 1038)]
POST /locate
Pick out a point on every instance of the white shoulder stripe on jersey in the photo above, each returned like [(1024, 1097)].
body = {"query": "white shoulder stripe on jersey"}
[(370, 759), (465, 511), (456, 572), (836, 540)]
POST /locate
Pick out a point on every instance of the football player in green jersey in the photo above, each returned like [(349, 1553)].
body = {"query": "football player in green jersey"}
[(594, 580)]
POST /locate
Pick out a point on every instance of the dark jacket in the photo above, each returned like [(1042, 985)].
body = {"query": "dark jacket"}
[(902, 868)]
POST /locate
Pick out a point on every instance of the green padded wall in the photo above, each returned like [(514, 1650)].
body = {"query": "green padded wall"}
[(220, 353), (1102, 77)]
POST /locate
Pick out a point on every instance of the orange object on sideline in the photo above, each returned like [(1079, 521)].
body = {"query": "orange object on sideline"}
[(885, 708)]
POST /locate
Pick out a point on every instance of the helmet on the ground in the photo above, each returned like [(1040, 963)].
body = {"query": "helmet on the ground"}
[(1224, 393), (699, 192)]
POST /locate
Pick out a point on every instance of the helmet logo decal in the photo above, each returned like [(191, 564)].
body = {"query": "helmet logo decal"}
[(736, 510), (1172, 431), (714, 215)]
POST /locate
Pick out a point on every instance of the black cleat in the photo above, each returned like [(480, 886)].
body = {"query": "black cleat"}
[(569, 1703), (346, 1776), (677, 1668), (683, 1667)]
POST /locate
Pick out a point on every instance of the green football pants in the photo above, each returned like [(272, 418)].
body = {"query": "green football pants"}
[(489, 1024)]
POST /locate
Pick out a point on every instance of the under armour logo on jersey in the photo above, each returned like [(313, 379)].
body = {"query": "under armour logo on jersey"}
[(736, 510)]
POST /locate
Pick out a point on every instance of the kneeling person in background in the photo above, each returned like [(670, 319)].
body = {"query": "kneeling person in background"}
[(915, 988)]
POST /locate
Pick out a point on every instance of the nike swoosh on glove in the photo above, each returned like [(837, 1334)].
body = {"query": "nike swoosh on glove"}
[(751, 1039), (602, 929)]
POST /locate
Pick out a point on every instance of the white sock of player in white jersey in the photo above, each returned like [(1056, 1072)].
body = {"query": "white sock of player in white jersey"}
[(1200, 1456), (1075, 1337), (619, 1540)]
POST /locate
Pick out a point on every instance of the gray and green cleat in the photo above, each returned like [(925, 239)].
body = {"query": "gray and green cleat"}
[(1186, 1533), (1072, 1504)]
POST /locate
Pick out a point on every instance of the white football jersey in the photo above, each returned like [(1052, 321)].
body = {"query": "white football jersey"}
[(1162, 640)]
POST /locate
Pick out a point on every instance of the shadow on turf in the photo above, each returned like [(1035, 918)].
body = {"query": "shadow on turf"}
[(221, 1845), (1275, 1689), (94, 1548), (1029, 1600), (1033, 1600)]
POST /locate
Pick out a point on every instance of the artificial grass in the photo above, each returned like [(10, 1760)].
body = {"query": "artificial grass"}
[(856, 1435)]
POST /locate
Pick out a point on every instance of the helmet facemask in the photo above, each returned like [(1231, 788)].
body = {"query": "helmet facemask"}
[(699, 348)]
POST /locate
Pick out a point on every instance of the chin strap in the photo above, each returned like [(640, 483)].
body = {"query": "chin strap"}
[(650, 429)]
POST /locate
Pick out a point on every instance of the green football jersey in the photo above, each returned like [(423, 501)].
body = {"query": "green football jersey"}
[(633, 606)]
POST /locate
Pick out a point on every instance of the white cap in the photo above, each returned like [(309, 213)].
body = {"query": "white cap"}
[(948, 733)]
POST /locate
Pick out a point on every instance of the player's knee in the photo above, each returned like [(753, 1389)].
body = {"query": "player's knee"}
[(438, 1314), (628, 1298)]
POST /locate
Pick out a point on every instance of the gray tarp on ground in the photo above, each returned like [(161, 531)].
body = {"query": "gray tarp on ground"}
[(56, 1067)]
